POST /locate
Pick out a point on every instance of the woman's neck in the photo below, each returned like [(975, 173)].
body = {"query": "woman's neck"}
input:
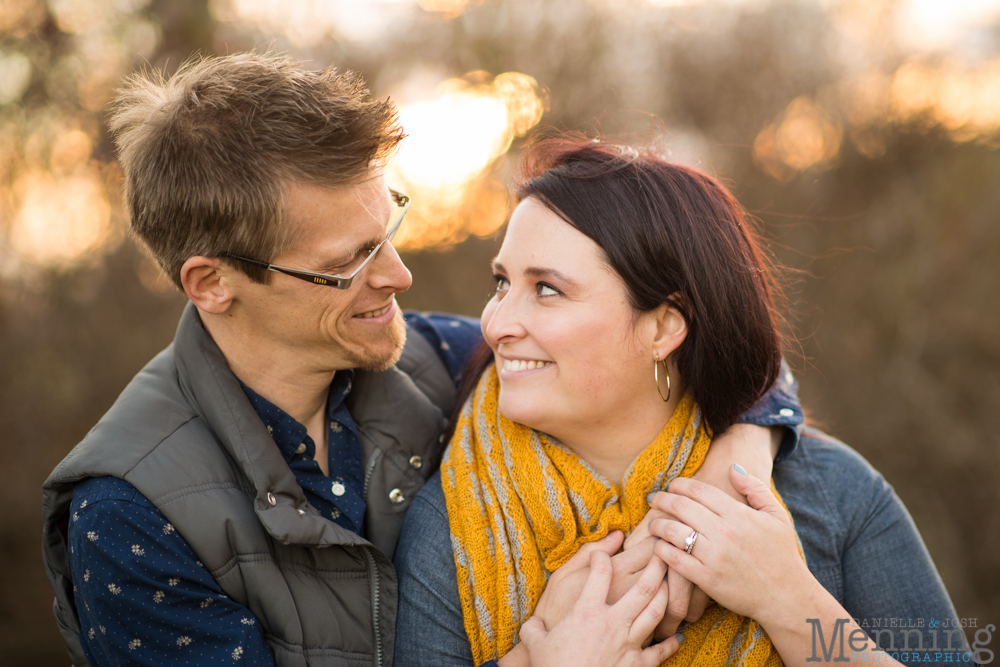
[(611, 448)]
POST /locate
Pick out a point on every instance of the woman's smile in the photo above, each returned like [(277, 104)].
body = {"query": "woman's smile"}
[(519, 368)]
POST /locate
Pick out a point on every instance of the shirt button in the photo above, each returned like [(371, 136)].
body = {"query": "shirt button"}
[(786, 412), (302, 511), (416, 462), (338, 489), (271, 499), (301, 449), (441, 438), (396, 496)]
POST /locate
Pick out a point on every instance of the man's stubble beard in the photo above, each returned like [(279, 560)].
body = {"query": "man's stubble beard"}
[(395, 332)]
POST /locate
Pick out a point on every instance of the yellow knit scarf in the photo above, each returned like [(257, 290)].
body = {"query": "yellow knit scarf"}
[(520, 504)]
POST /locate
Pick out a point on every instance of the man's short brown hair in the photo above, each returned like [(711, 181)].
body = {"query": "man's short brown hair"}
[(207, 153)]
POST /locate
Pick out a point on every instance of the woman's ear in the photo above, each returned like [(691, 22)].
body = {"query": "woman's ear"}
[(670, 328), (206, 282)]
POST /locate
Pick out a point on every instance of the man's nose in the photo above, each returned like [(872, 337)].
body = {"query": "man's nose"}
[(388, 271)]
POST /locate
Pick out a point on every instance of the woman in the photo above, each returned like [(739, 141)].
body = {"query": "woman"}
[(617, 266)]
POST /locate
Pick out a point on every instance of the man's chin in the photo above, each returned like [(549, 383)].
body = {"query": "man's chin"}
[(386, 350)]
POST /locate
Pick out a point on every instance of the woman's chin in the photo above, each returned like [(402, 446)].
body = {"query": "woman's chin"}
[(523, 409)]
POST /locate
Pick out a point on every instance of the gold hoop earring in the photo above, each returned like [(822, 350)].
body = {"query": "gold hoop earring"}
[(656, 378)]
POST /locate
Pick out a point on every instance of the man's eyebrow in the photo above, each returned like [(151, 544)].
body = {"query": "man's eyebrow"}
[(346, 257), (540, 272)]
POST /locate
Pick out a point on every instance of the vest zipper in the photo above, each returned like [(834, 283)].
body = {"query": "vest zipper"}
[(372, 462), (373, 570)]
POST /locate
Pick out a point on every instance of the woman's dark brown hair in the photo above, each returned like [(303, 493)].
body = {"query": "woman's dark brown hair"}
[(676, 236)]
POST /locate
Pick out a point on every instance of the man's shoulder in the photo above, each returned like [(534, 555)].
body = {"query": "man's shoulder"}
[(95, 491), (150, 409), (823, 454)]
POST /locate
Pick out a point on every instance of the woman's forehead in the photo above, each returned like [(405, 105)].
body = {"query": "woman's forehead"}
[(538, 237)]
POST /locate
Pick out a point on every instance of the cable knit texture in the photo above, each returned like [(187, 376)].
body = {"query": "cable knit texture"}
[(520, 504)]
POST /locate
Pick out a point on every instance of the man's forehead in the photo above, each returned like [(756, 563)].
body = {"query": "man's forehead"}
[(358, 204)]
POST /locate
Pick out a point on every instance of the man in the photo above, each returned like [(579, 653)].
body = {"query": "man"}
[(241, 501)]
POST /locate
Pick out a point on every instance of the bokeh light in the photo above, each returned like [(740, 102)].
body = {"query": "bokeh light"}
[(805, 137), (965, 101), (62, 213), (453, 140)]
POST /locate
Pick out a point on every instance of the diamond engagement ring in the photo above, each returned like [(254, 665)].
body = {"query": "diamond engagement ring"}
[(689, 541)]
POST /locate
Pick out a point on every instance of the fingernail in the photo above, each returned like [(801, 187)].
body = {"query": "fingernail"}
[(740, 469), (649, 497), (680, 638)]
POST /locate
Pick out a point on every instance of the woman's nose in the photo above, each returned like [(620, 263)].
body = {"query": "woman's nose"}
[(506, 323)]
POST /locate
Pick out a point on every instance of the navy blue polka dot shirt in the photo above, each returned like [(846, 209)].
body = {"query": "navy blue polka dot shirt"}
[(141, 593)]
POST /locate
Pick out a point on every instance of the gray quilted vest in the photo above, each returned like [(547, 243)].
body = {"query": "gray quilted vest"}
[(185, 435)]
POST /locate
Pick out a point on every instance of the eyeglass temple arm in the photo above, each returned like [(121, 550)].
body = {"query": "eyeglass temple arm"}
[(255, 262)]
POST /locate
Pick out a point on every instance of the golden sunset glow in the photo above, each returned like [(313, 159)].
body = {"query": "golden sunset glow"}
[(921, 94), (60, 219), (965, 101), (446, 8), (452, 142), (805, 137)]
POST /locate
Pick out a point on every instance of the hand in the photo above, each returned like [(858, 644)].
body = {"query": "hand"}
[(566, 583), (746, 558), (754, 445), (597, 634)]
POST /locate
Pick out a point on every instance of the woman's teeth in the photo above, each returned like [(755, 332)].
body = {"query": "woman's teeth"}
[(522, 365), (375, 313)]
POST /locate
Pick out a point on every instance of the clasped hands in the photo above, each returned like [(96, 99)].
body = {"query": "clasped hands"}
[(685, 601), (635, 575)]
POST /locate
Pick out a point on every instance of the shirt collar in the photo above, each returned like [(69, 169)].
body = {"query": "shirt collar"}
[(287, 432)]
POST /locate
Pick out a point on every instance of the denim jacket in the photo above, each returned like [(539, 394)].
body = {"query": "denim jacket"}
[(858, 538)]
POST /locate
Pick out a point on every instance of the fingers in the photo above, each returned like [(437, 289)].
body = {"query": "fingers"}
[(641, 531), (643, 592), (595, 589), (645, 623), (699, 603), (609, 544), (532, 631), (677, 534), (633, 560), (657, 653), (758, 493), (682, 490), (679, 599), (689, 567)]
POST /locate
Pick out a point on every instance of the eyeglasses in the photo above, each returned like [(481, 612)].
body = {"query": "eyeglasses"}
[(339, 281)]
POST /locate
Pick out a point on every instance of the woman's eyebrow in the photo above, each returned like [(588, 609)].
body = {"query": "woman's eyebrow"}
[(539, 272)]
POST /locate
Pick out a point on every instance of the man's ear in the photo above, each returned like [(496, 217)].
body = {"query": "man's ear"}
[(207, 282), (670, 330)]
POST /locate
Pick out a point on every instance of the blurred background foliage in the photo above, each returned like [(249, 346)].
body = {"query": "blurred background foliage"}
[(861, 133)]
